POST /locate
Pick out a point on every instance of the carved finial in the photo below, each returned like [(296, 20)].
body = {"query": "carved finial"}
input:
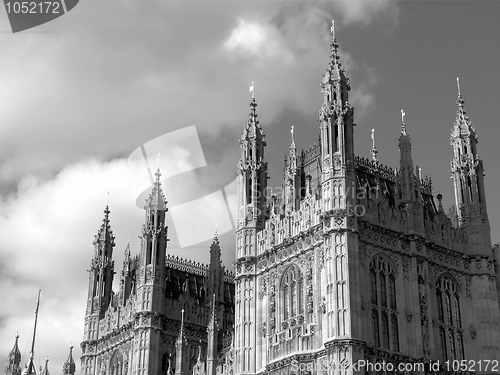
[(291, 131), (332, 29), (158, 161), (374, 149), (460, 100), (439, 198), (107, 200), (252, 89), (403, 123), (216, 234), (182, 316)]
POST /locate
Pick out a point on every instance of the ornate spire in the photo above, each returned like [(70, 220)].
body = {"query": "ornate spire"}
[(462, 122), (253, 128), (105, 232), (14, 359), (104, 241), (215, 270), (156, 197), (335, 71), (292, 165), (407, 176), (69, 366), (374, 149), (15, 354), (460, 100)]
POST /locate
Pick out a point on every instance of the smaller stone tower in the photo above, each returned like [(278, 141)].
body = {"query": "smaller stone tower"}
[(69, 367), (14, 360)]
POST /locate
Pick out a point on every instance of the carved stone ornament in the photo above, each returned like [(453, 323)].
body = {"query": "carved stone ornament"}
[(473, 332), (409, 315), (323, 305)]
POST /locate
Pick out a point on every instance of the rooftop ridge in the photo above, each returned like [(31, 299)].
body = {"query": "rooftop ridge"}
[(388, 173), (181, 264), (375, 168), (196, 268)]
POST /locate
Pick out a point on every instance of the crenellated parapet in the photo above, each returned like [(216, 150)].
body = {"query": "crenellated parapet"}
[(186, 265)]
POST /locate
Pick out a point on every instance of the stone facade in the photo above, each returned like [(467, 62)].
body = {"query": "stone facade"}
[(353, 264), (169, 315)]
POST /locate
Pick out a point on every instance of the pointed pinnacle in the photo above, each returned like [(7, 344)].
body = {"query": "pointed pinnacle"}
[(403, 123)]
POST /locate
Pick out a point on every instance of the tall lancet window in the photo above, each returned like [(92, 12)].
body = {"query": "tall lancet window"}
[(449, 317), (292, 297), (385, 330), (116, 364)]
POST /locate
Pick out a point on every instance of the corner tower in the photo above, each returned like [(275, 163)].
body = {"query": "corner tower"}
[(151, 282), (467, 173), (13, 366), (336, 118), (252, 183), (100, 279), (69, 366)]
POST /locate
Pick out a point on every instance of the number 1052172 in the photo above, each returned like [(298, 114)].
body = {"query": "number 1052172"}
[(32, 7)]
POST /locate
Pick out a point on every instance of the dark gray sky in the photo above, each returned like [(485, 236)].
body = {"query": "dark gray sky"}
[(79, 94)]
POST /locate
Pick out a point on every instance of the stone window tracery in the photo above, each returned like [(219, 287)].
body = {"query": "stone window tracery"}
[(292, 296), (116, 364), (385, 329), (449, 320)]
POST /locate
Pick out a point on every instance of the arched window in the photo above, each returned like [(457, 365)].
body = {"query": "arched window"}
[(292, 296), (449, 320), (385, 330), (116, 364)]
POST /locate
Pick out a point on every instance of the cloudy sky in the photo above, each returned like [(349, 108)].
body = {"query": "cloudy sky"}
[(80, 94)]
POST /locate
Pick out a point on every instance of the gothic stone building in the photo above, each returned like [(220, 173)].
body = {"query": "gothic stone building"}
[(353, 261), (169, 316)]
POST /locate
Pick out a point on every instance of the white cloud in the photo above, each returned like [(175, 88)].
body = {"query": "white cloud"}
[(258, 40), (46, 243), (48, 228)]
